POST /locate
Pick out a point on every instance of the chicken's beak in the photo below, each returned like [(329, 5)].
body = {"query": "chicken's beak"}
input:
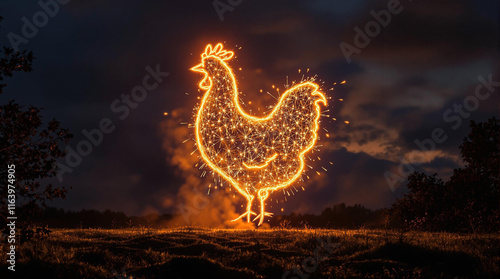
[(198, 68), (205, 83), (321, 97)]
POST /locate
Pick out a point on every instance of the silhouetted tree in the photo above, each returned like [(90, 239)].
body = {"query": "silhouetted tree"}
[(337, 216), (423, 207), (474, 188), (27, 144), (469, 200)]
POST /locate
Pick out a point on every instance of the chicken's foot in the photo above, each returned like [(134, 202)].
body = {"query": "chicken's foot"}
[(261, 216), (263, 194), (249, 211)]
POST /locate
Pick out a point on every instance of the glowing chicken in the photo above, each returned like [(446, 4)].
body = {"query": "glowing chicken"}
[(257, 155)]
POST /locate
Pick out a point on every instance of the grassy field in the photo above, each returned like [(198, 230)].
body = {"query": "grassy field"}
[(208, 253)]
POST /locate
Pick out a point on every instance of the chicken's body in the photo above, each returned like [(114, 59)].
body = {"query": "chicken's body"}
[(256, 155)]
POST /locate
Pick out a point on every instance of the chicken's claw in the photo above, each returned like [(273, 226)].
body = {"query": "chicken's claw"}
[(247, 214), (268, 214)]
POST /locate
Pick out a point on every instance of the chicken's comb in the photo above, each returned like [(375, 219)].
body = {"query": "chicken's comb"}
[(218, 52)]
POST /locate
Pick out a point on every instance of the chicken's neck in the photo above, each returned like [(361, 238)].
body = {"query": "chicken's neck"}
[(223, 90)]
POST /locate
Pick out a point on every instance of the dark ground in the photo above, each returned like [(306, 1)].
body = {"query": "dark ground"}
[(209, 253)]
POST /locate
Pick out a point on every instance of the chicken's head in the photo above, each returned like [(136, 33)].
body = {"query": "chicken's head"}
[(211, 61)]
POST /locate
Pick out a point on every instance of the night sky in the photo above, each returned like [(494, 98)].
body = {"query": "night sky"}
[(409, 80)]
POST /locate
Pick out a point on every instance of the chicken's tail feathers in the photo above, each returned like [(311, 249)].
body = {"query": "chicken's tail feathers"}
[(321, 97), (217, 51)]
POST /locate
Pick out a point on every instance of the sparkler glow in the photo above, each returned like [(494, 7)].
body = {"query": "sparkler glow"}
[(257, 155)]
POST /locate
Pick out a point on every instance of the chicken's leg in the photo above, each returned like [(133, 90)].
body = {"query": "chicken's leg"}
[(249, 211), (263, 194)]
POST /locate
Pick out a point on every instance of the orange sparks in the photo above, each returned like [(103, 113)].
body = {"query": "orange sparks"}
[(256, 155)]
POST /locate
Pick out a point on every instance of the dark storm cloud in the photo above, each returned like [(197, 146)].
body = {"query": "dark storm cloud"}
[(454, 130), (336, 10), (441, 163), (431, 34), (362, 134), (397, 88), (354, 178), (338, 69)]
